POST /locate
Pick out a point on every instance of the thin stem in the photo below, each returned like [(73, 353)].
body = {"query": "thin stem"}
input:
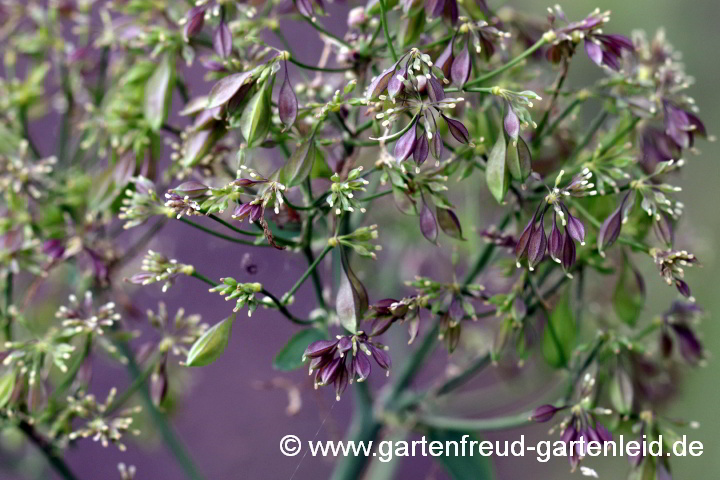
[(137, 384), (233, 227), (561, 80), (317, 69), (69, 377), (618, 135), (308, 272), (594, 126), (479, 425), (55, 461), (388, 40), (484, 256), (8, 302), (281, 307), (220, 235), (452, 383), (372, 197), (322, 30), (160, 421), (551, 328), (510, 64)]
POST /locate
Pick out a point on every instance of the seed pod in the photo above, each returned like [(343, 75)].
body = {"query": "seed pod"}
[(594, 51), (226, 88), (192, 189), (305, 8), (568, 253), (497, 175), (690, 347), (381, 357), (319, 348), (537, 244), (436, 146), (159, 385), (555, 242), (422, 148), (360, 367), (428, 226), (544, 413), (444, 61), (395, 85), (511, 122), (575, 228), (461, 66), (457, 130), (380, 83), (222, 40), (449, 222), (287, 102), (211, 344), (435, 90), (195, 22), (406, 144), (610, 229), (352, 298)]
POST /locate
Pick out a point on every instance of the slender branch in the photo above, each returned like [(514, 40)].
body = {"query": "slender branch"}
[(485, 255), (7, 327), (55, 461), (233, 227), (220, 235), (300, 64), (510, 64), (322, 30), (308, 272), (479, 425), (388, 40), (558, 85)]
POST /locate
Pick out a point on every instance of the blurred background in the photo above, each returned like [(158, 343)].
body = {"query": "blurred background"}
[(233, 413)]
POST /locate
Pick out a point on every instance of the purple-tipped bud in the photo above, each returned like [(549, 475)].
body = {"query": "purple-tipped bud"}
[(305, 8), (344, 344), (331, 371), (319, 348), (603, 433), (428, 225), (524, 240), (690, 347), (422, 149), (287, 102), (360, 367), (544, 413), (396, 84), (457, 130), (436, 146), (575, 228), (444, 61), (461, 67), (159, 385), (594, 51), (195, 22), (683, 288), (222, 40), (610, 229), (568, 253), (511, 122), (555, 242), (341, 382), (54, 248), (456, 311), (191, 189), (381, 357), (380, 83), (435, 90), (406, 144), (537, 244), (664, 230)]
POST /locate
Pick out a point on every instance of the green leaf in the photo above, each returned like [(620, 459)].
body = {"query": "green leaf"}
[(629, 296), (255, 119), (560, 333), (227, 87), (496, 172), (461, 467), (290, 356), (158, 92), (621, 391), (300, 163), (7, 384), (352, 298), (211, 345)]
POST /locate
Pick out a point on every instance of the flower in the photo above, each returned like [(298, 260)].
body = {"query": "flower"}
[(681, 125), (157, 267), (671, 264), (329, 360)]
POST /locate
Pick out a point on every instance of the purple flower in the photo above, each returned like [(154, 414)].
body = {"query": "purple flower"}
[(545, 413), (681, 125), (445, 8), (607, 49), (329, 360), (610, 229)]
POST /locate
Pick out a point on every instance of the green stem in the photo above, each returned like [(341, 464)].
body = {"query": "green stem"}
[(170, 439), (55, 461), (485, 255), (452, 383), (479, 425), (556, 91), (322, 30), (618, 135), (308, 272), (220, 235), (233, 227), (135, 386), (594, 126), (317, 69), (510, 64), (388, 40), (372, 197)]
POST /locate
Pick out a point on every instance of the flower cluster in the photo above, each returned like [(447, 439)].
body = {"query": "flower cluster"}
[(329, 360)]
